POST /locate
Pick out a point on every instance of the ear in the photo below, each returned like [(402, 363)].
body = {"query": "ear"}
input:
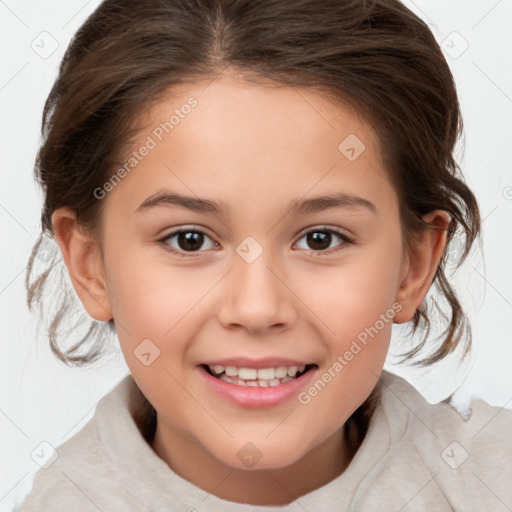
[(420, 265), (83, 258)]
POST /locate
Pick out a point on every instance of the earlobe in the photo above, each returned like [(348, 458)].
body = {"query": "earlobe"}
[(82, 256), (421, 264)]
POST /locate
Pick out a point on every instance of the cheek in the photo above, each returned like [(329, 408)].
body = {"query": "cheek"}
[(352, 296), (154, 313), (149, 296), (156, 303), (358, 324), (356, 305)]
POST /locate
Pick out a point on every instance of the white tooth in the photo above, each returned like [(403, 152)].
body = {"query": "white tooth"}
[(281, 371), (292, 370), (248, 373), (264, 376), (252, 383), (266, 373), (231, 371)]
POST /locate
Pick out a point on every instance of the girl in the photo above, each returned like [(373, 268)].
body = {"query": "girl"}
[(251, 194)]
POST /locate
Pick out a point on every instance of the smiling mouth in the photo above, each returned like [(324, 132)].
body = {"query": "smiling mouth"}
[(263, 377)]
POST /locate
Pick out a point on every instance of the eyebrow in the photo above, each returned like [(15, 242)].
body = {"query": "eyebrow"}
[(304, 206)]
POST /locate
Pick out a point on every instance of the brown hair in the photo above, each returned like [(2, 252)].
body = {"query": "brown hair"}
[(377, 55)]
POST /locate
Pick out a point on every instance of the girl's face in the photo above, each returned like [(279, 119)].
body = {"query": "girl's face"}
[(270, 274)]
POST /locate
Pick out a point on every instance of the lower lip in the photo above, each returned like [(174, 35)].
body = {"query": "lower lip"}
[(256, 397)]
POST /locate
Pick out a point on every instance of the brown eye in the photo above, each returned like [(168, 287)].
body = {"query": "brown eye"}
[(190, 241), (186, 241), (320, 240)]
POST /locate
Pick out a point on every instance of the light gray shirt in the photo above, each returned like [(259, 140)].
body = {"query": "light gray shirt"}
[(415, 457)]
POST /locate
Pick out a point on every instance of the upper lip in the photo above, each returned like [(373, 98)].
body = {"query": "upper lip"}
[(245, 362)]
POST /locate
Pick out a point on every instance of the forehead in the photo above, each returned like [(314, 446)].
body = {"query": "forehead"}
[(231, 105), (238, 141)]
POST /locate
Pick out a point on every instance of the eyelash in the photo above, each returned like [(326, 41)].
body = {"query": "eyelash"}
[(193, 254)]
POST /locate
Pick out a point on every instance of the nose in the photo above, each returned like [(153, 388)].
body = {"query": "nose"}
[(257, 298)]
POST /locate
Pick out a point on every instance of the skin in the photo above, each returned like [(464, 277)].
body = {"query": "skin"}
[(256, 148)]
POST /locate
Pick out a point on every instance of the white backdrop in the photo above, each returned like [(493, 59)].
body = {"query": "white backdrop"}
[(43, 400)]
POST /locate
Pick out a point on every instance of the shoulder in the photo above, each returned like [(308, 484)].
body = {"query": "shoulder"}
[(485, 426), (468, 460), (68, 479), (82, 473)]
